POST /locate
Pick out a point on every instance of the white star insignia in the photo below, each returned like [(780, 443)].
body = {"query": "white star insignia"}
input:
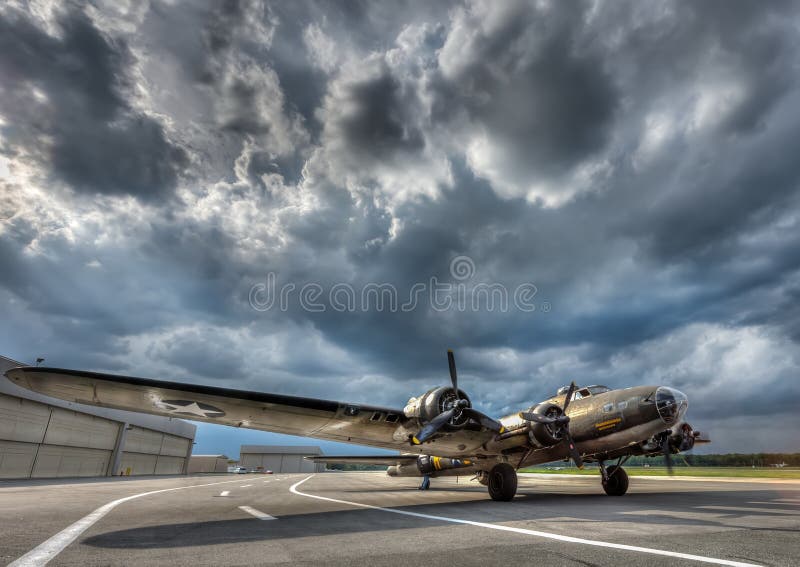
[(191, 408)]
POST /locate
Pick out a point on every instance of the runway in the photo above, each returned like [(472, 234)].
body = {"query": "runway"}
[(369, 518)]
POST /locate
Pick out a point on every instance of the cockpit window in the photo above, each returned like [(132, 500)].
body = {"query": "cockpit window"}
[(584, 392)]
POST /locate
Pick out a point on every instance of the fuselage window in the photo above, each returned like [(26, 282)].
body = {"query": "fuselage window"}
[(608, 408)]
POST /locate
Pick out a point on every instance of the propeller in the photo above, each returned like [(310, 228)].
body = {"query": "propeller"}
[(563, 422), (666, 450), (459, 408)]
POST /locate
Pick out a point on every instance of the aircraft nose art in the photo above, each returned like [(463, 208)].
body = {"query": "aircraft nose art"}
[(671, 404)]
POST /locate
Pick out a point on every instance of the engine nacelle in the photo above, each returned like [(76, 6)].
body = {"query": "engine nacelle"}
[(433, 402), (546, 434), (682, 438)]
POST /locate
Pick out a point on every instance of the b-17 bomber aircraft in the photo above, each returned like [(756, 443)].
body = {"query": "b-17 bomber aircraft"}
[(438, 433)]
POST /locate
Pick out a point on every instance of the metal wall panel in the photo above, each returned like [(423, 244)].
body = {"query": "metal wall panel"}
[(140, 440), (272, 462), (22, 420), (308, 466), (276, 462), (138, 463), (269, 462), (16, 459), (250, 461), (169, 465), (75, 429), (175, 446), (57, 461), (207, 464), (291, 463)]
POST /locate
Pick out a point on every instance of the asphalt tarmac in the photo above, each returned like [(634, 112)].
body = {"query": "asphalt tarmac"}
[(371, 519)]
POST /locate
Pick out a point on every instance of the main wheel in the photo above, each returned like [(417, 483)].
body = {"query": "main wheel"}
[(502, 482), (617, 483)]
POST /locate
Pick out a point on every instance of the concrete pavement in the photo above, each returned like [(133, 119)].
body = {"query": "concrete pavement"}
[(209, 520)]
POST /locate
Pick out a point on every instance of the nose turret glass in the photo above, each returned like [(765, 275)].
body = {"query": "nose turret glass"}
[(671, 404)]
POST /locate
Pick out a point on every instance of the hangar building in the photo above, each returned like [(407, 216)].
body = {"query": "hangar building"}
[(280, 459), (42, 437), (208, 464)]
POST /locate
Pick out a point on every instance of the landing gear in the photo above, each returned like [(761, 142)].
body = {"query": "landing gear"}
[(502, 482), (426, 483), (615, 480), (482, 477)]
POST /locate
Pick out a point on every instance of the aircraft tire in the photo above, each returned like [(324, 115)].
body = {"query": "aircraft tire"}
[(617, 483), (502, 482)]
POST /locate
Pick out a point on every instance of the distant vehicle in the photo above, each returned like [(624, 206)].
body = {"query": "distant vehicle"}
[(239, 470), (267, 472)]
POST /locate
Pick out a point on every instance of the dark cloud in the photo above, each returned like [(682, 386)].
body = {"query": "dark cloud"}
[(202, 355), (371, 117), (527, 80), (79, 119), (631, 161)]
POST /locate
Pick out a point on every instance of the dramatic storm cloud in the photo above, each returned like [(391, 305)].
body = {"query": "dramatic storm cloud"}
[(319, 198)]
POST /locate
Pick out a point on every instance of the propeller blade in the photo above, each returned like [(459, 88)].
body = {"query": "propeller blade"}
[(484, 420), (451, 361), (667, 452), (573, 451), (432, 427), (537, 417), (569, 397)]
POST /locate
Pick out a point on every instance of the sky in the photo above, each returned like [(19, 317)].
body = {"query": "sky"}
[(320, 198)]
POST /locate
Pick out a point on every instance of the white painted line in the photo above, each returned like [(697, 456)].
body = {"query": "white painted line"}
[(266, 481), (246, 485), (554, 476), (47, 550), (224, 492), (546, 535), (745, 509), (257, 513)]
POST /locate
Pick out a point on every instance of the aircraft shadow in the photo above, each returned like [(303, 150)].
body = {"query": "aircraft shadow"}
[(525, 507)]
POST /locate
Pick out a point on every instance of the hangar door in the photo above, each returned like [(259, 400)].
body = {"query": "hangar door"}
[(276, 462), (151, 452), (266, 461), (75, 444), (39, 441)]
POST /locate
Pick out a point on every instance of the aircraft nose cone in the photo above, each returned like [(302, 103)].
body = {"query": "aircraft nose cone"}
[(671, 404)]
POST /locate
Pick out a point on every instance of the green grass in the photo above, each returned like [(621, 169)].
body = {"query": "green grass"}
[(736, 472)]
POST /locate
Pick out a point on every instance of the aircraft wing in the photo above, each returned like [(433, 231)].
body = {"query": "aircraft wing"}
[(322, 419), (388, 460)]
